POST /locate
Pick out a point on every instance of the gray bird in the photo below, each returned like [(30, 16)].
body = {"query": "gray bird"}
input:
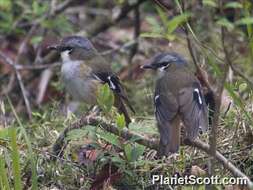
[(84, 70), (178, 97)]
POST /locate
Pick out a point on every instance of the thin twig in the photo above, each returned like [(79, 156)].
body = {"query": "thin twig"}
[(23, 90), (21, 84), (33, 67), (19, 78)]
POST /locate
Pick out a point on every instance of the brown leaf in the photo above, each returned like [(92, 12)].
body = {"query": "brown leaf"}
[(197, 171)]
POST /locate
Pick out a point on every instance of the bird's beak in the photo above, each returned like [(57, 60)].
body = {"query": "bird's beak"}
[(54, 47), (148, 65)]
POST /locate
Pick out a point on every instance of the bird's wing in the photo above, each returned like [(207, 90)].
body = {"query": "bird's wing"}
[(193, 109), (115, 85), (166, 109)]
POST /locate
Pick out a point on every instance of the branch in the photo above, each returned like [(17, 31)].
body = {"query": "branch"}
[(137, 28), (21, 84), (223, 160), (215, 120), (152, 144), (87, 120), (123, 13)]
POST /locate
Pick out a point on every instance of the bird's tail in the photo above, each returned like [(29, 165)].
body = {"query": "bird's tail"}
[(169, 138), (118, 103), (210, 101)]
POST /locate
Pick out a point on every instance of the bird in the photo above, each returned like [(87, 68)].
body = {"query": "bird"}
[(84, 70), (178, 97)]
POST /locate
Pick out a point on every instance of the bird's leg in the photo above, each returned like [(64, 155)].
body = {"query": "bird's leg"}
[(173, 156), (94, 110), (71, 108)]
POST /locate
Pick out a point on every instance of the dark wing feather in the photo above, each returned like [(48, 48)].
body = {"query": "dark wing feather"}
[(120, 96), (166, 109), (115, 85), (193, 110), (210, 101), (109, 78)]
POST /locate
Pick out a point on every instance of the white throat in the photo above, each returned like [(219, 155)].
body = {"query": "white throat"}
[(65, 56)]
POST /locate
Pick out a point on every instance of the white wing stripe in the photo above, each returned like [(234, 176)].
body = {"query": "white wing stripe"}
[(199, 97), (111, 83)]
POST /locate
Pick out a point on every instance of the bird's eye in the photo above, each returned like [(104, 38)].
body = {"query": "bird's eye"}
[(164, 66), (67, 48)]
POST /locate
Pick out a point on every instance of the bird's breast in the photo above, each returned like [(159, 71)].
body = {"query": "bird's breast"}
[(79, 83), (173, 82)]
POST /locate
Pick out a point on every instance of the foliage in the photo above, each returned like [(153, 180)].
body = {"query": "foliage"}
[(4, 181), (105, 98), (168, 26), (15, 14)]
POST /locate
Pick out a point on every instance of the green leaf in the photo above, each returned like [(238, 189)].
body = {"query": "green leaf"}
[(5, 5), (149, 129), (110, 138), (120, 121), (162, 15), (244, 21), (39, 8), (242, 87), (118, 160), (15, 160), (3, 177), (36, 39), (37, 114), (210, 3), (235, 5), (176, 21), (155, 26), (61, 24), (105, 98), (151, 35), (224, 22), (135, 138), (170, 37), (6, 22), (30, 154), (76, 134), (4, 133), (132, 153), (137, 152), (128, 152)]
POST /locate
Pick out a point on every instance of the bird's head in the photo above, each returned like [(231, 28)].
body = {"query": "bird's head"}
[(165, 61), (74, 48)]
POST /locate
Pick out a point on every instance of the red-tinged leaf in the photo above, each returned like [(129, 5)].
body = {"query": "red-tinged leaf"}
[(87, 155)]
